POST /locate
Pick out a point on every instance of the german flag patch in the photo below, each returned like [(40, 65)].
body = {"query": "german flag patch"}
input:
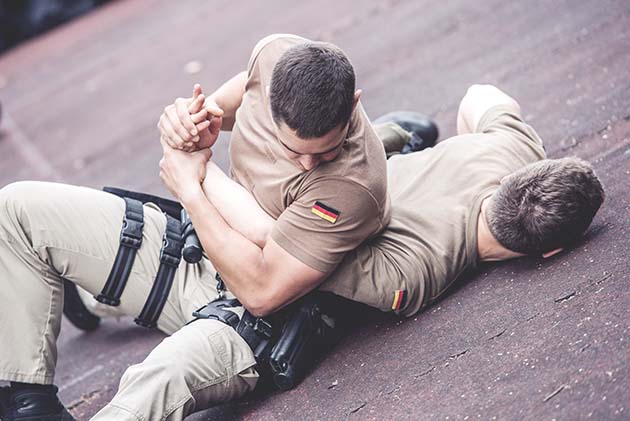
[(400, 296), (325, 212)]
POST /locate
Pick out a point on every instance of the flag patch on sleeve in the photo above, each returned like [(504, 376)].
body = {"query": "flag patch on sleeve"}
[(400, 297), (325, 212)]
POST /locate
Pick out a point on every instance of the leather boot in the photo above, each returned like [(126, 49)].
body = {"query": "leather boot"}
[(75, 310), (424, 132), (37, 403)]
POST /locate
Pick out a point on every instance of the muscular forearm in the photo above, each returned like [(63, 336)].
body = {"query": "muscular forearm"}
[(240, 262), (237, 206), (229, 97)]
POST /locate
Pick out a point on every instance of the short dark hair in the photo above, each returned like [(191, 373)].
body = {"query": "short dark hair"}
[(312, 89), (545, 205)]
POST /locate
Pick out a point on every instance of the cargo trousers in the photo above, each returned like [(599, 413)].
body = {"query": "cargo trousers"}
[(50, 232)]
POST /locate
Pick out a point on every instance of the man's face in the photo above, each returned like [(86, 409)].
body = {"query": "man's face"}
[(310, 153)]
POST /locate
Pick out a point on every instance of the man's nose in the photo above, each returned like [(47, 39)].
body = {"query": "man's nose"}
[(309, 161)]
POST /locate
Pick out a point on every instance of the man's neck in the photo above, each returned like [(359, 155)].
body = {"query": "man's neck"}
[(488, 247)]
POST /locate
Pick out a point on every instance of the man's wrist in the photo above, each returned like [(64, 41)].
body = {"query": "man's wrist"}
[(192, 196)]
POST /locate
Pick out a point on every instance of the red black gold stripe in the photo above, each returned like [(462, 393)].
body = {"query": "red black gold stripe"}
[(399, 299), (325, 212)]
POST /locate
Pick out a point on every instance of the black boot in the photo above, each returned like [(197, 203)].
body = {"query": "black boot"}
[(30, 402), (75, 310), (5, 398), (424, 132)]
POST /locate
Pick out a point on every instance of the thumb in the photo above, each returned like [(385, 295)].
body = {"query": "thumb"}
[(215, 125), (213, 108)]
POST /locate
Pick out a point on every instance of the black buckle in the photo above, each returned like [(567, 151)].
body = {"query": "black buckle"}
[(167, 257), (131, 233), (263, 327), (133, 222), (216, 310), (171, 252)]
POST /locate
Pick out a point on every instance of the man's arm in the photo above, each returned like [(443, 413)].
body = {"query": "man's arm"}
[(263, 279), (478, 100), (237, 206), (228, 98)]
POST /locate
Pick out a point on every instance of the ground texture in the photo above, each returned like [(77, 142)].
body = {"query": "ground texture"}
[(525, 339)]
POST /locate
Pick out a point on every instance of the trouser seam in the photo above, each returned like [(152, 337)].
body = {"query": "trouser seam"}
[(130, 411), (176, 405), (47, 326)]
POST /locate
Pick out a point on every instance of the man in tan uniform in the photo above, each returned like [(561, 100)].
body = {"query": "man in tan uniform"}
[(277, 154), (50, 232), (487, 194)]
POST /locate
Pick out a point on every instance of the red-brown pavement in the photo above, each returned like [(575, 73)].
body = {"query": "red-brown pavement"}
[(527, 339)]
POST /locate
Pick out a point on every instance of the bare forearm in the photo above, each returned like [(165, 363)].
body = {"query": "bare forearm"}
[(240, 262), (229, 97), (237, 206)]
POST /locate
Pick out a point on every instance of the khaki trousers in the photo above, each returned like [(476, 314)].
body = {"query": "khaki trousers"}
[(52, 231)]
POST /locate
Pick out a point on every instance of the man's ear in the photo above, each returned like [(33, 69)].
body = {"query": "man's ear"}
[(357, 95), (552, 252)]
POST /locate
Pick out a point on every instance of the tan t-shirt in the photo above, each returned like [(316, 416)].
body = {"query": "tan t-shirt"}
[(322, 213), (436, 199)]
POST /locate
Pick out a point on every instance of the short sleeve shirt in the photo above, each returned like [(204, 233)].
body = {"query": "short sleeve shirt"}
[(322, 213), (436, 200)]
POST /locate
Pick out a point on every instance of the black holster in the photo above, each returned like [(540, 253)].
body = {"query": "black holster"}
[(311, 329), (287, 343), (259, 333)]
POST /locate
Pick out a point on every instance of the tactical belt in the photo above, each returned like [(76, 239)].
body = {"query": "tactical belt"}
[(170, 256), (130, 241), (168, 206)]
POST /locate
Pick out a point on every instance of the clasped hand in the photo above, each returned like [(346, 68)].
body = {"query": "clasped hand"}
[(188, 129)]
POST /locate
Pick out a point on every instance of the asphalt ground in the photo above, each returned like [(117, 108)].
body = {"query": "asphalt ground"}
[(527, 339)]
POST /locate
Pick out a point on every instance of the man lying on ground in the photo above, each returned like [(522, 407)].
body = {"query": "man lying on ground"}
[(487, 194)]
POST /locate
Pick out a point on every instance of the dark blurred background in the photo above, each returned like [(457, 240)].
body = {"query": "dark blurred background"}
[(22, 19)]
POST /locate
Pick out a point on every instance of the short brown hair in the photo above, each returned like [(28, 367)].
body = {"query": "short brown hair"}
[(545, 205), (312, 89)]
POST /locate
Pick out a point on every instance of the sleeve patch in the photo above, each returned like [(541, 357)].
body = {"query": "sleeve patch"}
[(400, 296), (325, 212)]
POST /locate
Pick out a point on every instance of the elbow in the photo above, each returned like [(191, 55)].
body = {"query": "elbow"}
[(258, 307), (259, 312), (262, 234), (261, 303)]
